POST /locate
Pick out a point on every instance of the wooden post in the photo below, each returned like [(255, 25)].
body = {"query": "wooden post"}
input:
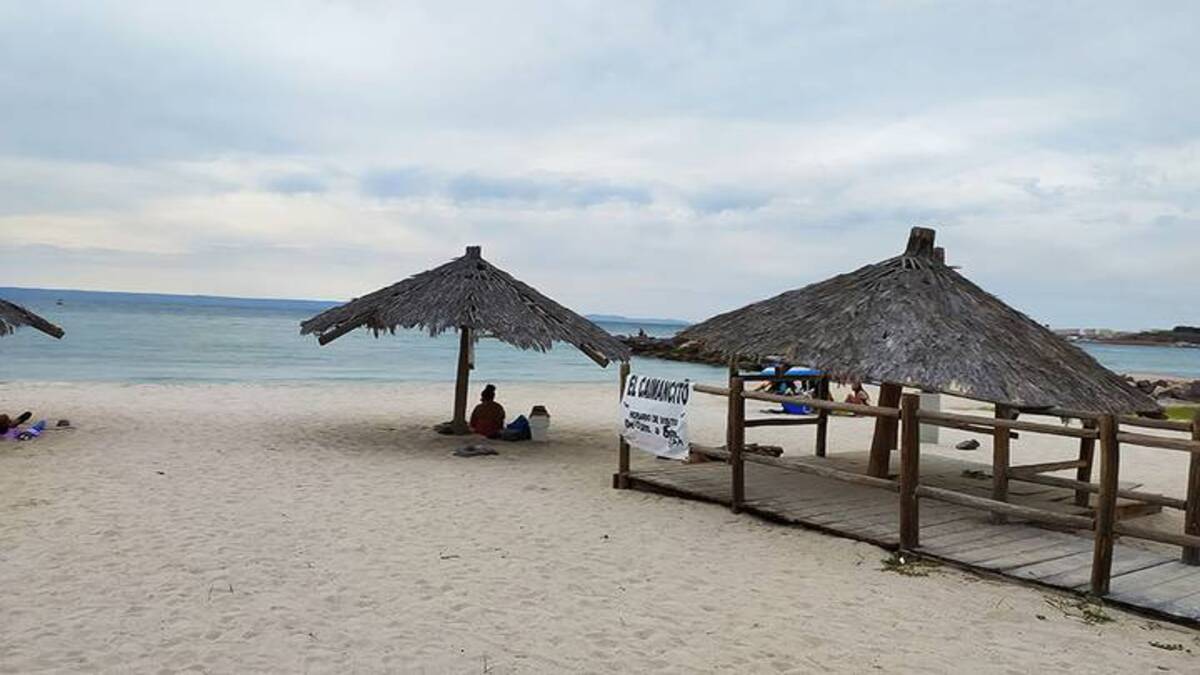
[(822, 416), (622, 478), (459, 424), (736, 437), (1000, 462), (884, 440), (1087, 455), (1106, 505), (910, 471), (1191, 518)]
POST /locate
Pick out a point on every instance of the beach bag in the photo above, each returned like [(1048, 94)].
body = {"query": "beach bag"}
[(517, 430)]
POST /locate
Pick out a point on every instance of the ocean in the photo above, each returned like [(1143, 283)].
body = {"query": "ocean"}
[(135, 337)]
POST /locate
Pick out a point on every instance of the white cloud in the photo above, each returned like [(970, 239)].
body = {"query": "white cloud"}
[(660, 158)]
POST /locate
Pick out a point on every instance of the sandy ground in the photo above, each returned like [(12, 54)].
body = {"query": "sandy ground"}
[(322, 528)]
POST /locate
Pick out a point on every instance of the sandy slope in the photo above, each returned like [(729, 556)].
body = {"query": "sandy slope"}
[(289, 528)]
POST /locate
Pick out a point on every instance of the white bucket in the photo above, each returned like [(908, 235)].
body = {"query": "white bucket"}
[(539, 424)]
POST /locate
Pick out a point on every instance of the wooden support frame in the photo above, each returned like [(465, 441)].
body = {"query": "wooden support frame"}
[(1001, 460), (941, 419), (884, 440), (782, 422), (1087, 456), (1089, 488), (735, 441), (621, 480), (1014, 510), (804, 467), (1106, 505), (910, 471), (1191, 517), (822, 418)]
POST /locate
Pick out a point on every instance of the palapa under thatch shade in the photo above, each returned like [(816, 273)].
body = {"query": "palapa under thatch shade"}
[(911, 320), (13, 316), (474, 297)]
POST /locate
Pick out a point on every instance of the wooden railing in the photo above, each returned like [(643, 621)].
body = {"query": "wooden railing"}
[(1103, 430)]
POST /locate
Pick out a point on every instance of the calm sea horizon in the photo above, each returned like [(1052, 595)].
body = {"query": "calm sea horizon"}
[(136, 337)]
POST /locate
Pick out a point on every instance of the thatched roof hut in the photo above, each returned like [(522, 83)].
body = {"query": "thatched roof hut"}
[(473, 297), (911, 320), (14, 316)]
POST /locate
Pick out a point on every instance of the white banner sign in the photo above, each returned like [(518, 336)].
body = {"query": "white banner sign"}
[(654, 415)]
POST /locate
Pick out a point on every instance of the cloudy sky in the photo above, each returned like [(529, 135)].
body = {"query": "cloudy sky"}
[(663, 159)]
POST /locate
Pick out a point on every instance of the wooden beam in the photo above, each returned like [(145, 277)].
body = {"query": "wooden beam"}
[(1151, 534), (1088, 488), (822, 418), (910, 471), (1106, 506), (782, 422), (1000, 461), (805, 467), (884, 440), (1151, 423), (1191, 518), (929, 417), (459, 424), (1087, 455), (1014, 510), (709, 389), (329, 336), (622, 482), (1160, 442), (736, 439), (1044, 467)]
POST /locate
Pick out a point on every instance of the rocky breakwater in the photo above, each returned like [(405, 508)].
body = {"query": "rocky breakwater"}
[(1168, 389)]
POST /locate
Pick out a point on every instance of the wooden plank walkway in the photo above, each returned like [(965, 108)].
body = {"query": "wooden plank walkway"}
[(1143, 578)]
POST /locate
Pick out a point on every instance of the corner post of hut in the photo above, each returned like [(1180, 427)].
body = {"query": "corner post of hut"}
[(1191, 519), (1106, 506), (910, 471), (735, 443), (886, 431)]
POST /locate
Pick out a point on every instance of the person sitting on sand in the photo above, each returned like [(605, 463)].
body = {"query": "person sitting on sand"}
[(10, 427), (487, 419), (858, 395), (780, 387)]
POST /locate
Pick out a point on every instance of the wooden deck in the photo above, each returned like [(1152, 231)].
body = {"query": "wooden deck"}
[(1144, 578)]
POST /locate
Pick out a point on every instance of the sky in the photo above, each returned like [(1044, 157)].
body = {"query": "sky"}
[(670, 159)]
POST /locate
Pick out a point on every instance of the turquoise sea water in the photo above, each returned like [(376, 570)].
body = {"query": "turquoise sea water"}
[(153, 338)]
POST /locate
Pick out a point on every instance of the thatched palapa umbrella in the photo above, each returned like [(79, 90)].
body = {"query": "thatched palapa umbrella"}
[(913, 321), (472, 296), (13, 316)]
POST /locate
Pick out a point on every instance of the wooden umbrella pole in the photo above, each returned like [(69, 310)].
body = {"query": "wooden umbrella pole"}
[(886, 429), (463, 379)]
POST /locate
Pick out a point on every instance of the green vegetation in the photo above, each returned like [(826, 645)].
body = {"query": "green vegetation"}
[(1088, 610), (908, 566), (1181, 412)]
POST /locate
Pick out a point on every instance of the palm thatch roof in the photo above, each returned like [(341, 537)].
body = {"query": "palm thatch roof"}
[(469, 292), (14, 316), (912, 320)]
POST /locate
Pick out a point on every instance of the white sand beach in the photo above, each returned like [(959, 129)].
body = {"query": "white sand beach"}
[(233, 528)]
